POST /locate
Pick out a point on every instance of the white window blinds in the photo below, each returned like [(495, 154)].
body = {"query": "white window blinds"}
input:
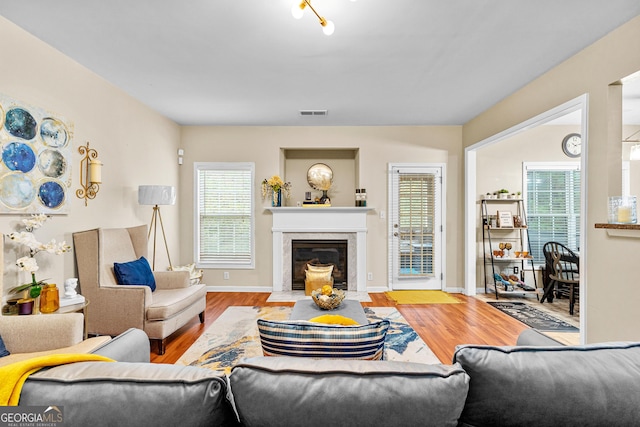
[(224, 203), (553, 206), (416, 199)]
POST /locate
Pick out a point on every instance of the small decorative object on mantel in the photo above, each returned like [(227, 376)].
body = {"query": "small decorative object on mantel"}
[(320, 177), (28, 263), (273, 187)]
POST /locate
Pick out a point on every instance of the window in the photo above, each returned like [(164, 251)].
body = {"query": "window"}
[(552, 197), (224, 223)]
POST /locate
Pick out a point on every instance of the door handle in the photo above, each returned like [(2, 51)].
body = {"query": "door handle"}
[(396, 234)]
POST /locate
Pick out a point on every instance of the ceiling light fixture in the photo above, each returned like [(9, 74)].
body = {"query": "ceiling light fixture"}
[(297, 10)]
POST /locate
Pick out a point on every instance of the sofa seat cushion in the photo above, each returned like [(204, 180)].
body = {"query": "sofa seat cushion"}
[(592, 385), (295, 391), (169, 302), (308, 339), (86, 346)]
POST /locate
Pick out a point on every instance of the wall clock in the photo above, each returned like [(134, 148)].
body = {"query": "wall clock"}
[(572, 145)]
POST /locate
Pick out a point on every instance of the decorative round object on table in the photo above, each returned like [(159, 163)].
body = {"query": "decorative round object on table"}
[(327, 302)]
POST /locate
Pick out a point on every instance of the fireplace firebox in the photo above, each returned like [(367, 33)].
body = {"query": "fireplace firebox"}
[(319, 252)]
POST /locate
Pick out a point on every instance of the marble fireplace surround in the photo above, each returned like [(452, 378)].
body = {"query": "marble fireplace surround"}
[(334, 223)]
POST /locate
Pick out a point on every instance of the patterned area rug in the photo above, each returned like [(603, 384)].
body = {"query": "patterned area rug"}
[(234, 335), (533, 317)]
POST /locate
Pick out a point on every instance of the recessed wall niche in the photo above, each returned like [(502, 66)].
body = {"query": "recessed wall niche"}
[(343, 162)]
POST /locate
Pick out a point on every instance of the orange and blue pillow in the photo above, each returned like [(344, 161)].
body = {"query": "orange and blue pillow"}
[(306, 339)]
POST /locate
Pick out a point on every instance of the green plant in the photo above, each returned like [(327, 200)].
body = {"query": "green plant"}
[(503, 191)]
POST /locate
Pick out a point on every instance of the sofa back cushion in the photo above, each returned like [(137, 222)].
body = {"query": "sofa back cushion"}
[(592, 385), (295, 391), (308, 339), (132, 394)]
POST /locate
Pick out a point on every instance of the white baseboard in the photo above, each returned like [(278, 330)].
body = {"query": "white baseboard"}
[(267, 289), (377, 289)]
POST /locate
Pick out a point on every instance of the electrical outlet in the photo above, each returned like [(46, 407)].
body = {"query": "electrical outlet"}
[(225, 275), (369, 276)]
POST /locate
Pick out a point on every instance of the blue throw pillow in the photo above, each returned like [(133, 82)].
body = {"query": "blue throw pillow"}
[(3, 349), (135, 273)]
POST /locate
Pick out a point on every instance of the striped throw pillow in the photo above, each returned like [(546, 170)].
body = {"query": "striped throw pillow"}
[(306, 339)]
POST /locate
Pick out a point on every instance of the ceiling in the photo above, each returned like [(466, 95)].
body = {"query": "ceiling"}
[(249, 62)]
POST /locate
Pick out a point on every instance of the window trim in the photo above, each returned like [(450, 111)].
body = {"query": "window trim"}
[(560, 166), (197, 167)]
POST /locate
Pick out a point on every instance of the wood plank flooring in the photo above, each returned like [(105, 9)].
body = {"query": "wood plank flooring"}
[(441, 326)]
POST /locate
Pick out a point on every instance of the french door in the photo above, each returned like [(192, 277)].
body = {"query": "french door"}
[(415, 227)]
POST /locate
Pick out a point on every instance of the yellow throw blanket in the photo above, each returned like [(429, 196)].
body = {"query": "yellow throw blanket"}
[(13, 376)]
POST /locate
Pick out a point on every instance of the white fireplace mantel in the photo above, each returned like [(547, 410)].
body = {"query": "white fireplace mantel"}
[(330, 221)]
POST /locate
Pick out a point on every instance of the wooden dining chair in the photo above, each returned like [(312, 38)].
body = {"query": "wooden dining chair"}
[(565, 275)]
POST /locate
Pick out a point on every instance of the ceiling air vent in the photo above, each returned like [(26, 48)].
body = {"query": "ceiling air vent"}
[(309, 113)]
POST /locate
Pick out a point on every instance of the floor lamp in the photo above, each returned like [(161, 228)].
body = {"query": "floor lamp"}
[(157, 195)]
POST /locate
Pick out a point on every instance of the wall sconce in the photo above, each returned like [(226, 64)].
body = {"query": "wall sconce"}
[(90, 174)]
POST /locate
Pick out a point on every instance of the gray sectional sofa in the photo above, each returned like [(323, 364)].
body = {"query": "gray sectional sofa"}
[(536, 383)]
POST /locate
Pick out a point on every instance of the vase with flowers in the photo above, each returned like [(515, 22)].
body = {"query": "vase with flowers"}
[(273, 187), (28, 263)]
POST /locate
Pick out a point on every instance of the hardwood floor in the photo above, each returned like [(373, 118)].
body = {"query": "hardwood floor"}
[(441, 326)]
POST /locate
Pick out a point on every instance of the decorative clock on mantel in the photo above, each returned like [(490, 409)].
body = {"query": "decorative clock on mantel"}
[(572, 145)]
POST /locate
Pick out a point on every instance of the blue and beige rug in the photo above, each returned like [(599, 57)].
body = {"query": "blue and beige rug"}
[(234, 335)]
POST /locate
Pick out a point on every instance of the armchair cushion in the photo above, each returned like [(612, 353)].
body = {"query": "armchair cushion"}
[(136, 272)]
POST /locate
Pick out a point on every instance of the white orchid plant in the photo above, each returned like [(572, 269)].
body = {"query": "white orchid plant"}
[(28, 263)]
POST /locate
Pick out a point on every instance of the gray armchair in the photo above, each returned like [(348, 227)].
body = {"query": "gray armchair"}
[(115, 308)]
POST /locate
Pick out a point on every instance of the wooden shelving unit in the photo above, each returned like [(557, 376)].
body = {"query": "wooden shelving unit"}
[(518, 237)]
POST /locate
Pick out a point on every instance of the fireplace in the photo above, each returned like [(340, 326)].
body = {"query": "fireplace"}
[(320, 224), (319, 252)]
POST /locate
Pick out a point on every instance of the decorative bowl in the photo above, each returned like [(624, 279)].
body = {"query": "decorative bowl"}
[(327, 302)]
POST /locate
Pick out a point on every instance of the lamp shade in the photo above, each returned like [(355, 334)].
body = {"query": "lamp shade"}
[(156, 195)]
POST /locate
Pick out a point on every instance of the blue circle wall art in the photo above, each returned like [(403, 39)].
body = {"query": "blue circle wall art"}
[(51, 194), (52, 163), (35, 159), (18, 156), (54, 133), (20, 123), (16, 190)]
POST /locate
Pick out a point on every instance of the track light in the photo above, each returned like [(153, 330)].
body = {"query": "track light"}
[(297, 10)]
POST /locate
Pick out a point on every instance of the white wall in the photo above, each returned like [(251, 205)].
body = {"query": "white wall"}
[(377, 146), (609, 272), (136, 145)]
